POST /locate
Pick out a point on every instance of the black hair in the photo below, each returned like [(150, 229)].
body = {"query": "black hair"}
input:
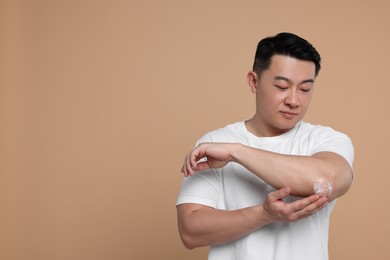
[(287, 44)]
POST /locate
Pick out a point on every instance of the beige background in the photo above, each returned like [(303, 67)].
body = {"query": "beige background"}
[(100, 100)]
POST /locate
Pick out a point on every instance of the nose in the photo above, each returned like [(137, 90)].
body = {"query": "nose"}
[(292, 99)]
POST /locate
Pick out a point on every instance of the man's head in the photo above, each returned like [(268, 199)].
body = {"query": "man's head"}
[(282, 79), (286, 44)]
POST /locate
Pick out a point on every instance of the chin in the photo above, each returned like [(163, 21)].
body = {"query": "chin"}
[(287, 126)]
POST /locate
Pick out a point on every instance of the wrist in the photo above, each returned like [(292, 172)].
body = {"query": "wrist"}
[(235, 151), (268, 217), (263, 217)]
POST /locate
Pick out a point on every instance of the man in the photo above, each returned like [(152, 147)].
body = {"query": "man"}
[(250, 192)]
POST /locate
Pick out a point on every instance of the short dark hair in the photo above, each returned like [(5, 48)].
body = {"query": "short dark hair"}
[(285, 44)]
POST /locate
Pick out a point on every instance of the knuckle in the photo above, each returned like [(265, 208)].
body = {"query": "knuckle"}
[(285, 212)]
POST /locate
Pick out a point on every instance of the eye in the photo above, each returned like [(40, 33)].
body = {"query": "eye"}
[(305, 89), (281, 88)]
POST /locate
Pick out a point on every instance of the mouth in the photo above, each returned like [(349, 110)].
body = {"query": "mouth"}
[(288, 114)]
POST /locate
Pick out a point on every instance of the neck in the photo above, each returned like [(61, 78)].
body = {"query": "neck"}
[(261, 129)]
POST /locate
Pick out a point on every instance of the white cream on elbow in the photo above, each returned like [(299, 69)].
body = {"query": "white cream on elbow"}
[(323, 187)]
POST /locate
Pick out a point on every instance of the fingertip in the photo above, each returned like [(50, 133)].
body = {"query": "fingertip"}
[(187, 171), (287, 190), (281, 193), (324, 203), (315, 197)]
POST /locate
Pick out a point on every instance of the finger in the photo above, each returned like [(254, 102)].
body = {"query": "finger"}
[(303, 203), (184, 167), (202, 166), (279, 194), (188, 165), (317, 205), (310, 209), (194, 157), (304, 214), (320, 205)]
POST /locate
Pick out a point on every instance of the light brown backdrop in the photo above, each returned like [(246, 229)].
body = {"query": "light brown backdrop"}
[(100, 100)]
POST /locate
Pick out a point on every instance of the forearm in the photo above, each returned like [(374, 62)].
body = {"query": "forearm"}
[(206, 226), (297, 172)]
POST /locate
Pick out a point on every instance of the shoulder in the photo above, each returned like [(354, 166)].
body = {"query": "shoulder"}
[(229, 133), (320, 131), (325, 138)]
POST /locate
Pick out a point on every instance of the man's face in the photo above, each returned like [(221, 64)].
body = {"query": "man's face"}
[(283, 94)]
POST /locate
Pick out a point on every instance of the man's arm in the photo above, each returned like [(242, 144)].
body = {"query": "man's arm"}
[(278, 170), (203, 226)]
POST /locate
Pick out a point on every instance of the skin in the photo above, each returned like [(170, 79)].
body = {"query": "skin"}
[(283, 93)]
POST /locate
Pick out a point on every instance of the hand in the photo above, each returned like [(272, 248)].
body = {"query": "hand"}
[(279, 210), (217, 155)]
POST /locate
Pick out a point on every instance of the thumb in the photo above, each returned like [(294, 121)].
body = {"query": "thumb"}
[(280, 194)]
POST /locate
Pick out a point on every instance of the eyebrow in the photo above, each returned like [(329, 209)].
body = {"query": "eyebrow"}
[(289, 81)]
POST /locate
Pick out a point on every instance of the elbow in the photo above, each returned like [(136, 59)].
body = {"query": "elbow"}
[(192, 233), (188, 241), (334, 169), (187, 237), (336, 183)]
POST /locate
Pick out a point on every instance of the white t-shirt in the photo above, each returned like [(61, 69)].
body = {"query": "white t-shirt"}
[(234, 187)]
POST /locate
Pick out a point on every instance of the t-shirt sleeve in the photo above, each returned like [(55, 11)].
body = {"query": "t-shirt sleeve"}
[(203, 187), (329, 140)]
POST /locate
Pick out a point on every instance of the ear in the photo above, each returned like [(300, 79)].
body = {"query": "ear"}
[(252, 79)]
